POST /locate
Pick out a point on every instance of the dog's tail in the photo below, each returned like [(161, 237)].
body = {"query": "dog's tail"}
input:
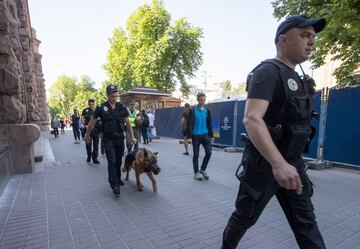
[(126, 167)]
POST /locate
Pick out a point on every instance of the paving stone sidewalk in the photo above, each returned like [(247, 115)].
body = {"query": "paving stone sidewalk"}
[(67, 203)]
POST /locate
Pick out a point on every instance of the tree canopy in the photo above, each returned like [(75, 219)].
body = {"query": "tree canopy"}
[(340, 38), (68, 93), (153, 52)]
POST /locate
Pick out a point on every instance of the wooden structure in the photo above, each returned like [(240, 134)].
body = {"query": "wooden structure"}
[(149, 98)]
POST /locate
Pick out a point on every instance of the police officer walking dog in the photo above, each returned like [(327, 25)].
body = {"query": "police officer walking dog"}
[(277, 119), (114, 117), (86, 117)]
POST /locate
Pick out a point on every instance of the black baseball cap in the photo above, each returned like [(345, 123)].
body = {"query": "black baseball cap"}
[(111, 89), (299, 21)]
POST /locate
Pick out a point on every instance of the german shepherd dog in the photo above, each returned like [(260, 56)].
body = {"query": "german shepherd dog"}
[(142, 161)]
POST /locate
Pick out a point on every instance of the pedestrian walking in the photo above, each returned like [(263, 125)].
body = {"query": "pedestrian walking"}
[(82, 129), (151, 125), (277, 119), (75, 124), (55, 126), (144, 126), (62, 125), (201, 133), (184, 127), (114, 116), (135, 123), (92, 148)]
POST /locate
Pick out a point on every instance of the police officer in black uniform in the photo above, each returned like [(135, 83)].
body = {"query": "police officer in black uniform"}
[(94, 136), (114, 117), (277, 119)]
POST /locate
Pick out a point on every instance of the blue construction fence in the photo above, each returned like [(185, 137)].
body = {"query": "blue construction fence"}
[(342, 133)]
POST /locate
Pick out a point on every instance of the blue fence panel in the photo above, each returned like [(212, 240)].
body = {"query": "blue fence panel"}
[(240, 125), (222, 115), (342, 141), (167, 122)]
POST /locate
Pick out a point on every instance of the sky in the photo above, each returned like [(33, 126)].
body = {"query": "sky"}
[(74, 35)]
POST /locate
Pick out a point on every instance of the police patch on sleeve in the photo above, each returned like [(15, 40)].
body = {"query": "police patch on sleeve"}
[(292, 84)]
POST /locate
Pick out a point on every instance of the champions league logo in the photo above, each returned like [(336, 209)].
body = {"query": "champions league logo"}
[(226, 125)]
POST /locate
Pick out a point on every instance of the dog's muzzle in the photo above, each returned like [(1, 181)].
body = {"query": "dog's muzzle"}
[(156, 170)]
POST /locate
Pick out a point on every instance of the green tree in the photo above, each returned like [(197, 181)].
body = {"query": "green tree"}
[(227, 86), (67, 94), (62, 95), (153, 52), (226, 89), (85, 90), (240, 89), (340, 38)]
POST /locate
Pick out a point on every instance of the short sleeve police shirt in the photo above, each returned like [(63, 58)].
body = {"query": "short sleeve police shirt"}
[(100, 109), (110, 124), (265, 83)]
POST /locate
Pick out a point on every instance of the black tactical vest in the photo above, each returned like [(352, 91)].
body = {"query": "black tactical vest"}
[(290, 125), (112, 120), (298, 100)]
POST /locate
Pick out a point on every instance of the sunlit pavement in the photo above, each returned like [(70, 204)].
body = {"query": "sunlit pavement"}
[(67, 203)]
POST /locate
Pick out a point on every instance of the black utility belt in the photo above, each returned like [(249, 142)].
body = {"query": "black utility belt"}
[(113, 134)]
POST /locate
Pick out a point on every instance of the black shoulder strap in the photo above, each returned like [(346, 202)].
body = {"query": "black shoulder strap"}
[(274, 62), (279, 116)]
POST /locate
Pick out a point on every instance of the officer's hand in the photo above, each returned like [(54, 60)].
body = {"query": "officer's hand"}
[(287, 177), (133, 140), (87, 138)]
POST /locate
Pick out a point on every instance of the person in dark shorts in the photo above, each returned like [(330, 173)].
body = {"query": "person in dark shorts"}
[(184, 129)]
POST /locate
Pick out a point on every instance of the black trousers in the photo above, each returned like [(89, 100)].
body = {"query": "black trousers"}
[(56, 132), (76, 131), (114, 150), (205, 141), (94, 145), (144, 134), (256, 189)]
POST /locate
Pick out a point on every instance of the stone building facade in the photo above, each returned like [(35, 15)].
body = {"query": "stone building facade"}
[(23, 109), (22, 88)]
